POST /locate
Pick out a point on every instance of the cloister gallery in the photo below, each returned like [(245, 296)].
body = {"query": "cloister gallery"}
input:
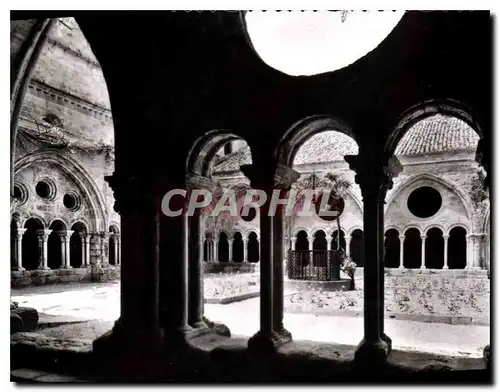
[(401, 144)]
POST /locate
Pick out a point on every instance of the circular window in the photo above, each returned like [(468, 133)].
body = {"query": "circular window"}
[(20, 193), (334, 204), (424, 202), (250, 216), (43, 189), (71, 201), (46, 189)]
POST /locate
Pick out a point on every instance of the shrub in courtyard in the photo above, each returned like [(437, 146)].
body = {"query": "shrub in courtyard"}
[(349, 268)]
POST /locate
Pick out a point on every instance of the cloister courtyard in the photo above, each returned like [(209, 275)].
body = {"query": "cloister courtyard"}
[(432, 313)]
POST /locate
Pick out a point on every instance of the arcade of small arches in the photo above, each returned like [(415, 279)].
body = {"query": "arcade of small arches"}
[(36, 246), (233, 248)]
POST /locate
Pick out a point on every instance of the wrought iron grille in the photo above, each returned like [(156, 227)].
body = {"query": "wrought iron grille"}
[(320, 265)]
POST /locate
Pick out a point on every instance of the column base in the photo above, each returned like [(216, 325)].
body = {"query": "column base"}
[(371, 352), (387, 340), (43, 268), (66, 267), (266, 344), (285, 336), (199, 324), (487, 357), (18, 269)]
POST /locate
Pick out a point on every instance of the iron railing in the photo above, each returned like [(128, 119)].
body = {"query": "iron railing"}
[(319, 265)]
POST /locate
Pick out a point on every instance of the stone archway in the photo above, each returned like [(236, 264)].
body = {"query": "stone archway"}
[(412, 253), (30, 248), (392, 249), (434, 249), (457, 248)]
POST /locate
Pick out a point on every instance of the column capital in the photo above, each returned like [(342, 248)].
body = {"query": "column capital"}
[(65, 234), (423, 236), (402, 237), (19, 233), (105, 235), (446, 236), (43, 233), (139, 194), (279, 176), (294, 239), (116, 236), (374, 176), (285, 176), (84, 236), (195, 181)]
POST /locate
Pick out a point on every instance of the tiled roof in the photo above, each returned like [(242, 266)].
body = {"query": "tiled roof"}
[(437, 133)]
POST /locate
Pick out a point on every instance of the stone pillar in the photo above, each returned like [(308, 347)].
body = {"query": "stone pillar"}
[(138, 328), (195, 254), (85, 240), (230, 248), (445, 239), (477, 240), (469, 247), (116, 241), (401, 251), (374, 176), (216, 249), (65, 236), (294, 242), (43, 237), (245, 250), (104, 237), (272, 333), (348, 245), (19, 249), (422, 264), (328, 242)]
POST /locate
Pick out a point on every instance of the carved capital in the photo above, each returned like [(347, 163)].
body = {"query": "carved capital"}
[(19, 234), (64, 235), (43, 234), (275, 176), (374, 177), (285, 176), (194, 181), (134, 194)]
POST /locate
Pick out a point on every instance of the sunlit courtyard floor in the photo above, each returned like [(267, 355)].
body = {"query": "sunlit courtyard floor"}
[(100, 302)]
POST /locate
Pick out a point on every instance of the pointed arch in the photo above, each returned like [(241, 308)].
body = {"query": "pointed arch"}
[(467, 204), (78, 175)]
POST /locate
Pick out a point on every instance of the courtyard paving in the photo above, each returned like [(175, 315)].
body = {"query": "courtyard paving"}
[(87, 301)]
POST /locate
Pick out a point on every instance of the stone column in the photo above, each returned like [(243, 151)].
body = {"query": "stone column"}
[(116, 247), (374, 176), (328, 242), (216, 249), (230, 248), (422, 264), (272, 333), (348, 245), (401, 251), (19, 249), (43, 237), (477, 242), (469, 257), (85, 240), (445, 239), (138, 328), (245, 250), (294, 242), (195, 254), (65, 236)]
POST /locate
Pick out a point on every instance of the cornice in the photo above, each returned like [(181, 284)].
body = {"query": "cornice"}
[(43, 90), (64, 48)]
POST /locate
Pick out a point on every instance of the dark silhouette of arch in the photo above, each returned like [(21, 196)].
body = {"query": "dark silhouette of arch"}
[(303, 244), (13, 253), (412, 257), (334, 245), (75, 245), (223, 250), (392, 249), (434, 249), (112, 255), (253, 248), (319, 242), (356, 247), (457, 248), (30, 244), (54, 255), (237, 248), (208, 246)]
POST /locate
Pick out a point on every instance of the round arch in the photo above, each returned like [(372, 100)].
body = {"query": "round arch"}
[(434, 226), (233, 232), (35, 217), (426, 109), (296, 231), (62, 220), (352, 230), (409, 227), (114, 228), (78, 175), (302, 130), (462, 226), (204, 149)]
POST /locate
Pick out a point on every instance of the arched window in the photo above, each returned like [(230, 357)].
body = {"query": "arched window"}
[(113, 245), (13, 253), (208, 246), (412, 257), (253, 248), (302, 244), (30, 244), (457, 248), (392, 249), (76, 245), (223, 248), (434, 249), (54, 251), (237, 248), (356, 247), (319, 244)]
